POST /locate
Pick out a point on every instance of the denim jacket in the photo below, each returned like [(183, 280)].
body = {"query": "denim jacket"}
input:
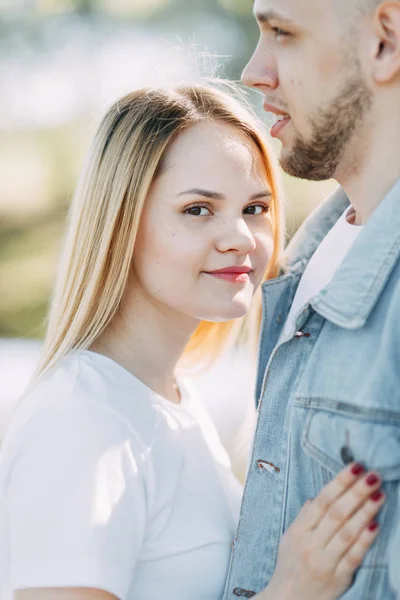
[(328, 394)]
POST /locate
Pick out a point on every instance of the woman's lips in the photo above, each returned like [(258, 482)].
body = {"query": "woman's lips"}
[(232, 274), (233, 277)]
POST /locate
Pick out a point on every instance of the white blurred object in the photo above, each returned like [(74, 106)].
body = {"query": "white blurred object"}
[(228, 389), (79, 67), (17, 363)]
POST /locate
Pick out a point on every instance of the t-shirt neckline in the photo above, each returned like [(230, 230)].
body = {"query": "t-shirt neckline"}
[(135, 380)]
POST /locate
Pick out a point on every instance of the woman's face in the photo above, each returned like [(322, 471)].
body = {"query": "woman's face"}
[(207, 212)]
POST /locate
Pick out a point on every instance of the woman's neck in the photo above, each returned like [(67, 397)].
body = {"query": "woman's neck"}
[(148, 341)]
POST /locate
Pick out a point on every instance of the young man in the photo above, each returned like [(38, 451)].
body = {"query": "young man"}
[(329, 370)]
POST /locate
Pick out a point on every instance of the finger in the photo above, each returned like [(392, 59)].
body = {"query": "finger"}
[(311, 514), (356, 553), (305, 515), (349, 534), (345, 506)]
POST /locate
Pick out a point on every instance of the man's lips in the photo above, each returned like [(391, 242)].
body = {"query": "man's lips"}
[(280, 122)]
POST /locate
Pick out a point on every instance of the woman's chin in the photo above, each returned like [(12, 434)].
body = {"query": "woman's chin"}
[(236, 310)]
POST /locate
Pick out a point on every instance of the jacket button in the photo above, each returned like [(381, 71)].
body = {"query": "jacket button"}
[(302, 333), (243, 593), (263, 465)]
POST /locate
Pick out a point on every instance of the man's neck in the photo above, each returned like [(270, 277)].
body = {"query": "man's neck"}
[(369, 177), (366, 194)]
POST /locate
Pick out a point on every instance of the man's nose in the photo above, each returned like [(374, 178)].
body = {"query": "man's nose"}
[(261, 72), (236, 237)]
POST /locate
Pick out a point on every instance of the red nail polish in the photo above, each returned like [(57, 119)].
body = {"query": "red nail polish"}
[(373, 526), (372, 480), (357, 469), (376, 496)]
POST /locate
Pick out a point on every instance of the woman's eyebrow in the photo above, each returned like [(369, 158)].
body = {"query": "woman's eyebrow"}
[(218, 196), (259, 195), (201, 192)]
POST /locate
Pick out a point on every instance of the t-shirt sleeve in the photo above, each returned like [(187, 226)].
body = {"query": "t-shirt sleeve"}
[(76, 501)]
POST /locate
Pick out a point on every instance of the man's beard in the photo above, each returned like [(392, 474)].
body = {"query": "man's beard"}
[(332, 130)]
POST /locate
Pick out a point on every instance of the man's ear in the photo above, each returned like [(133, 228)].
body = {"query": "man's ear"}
[(386, 60)]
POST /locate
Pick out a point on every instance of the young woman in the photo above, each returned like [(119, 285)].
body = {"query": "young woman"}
[(113, 482)]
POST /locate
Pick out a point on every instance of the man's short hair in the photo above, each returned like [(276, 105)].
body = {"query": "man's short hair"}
[(366, 6), (351, 10)]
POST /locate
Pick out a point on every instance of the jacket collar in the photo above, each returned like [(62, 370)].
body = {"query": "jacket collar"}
[(357, 285), (312, 232)]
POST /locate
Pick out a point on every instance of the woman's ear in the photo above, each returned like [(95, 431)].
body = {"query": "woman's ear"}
[(386, 60)]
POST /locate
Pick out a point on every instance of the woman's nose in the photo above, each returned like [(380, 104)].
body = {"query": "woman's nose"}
[(236, 237)]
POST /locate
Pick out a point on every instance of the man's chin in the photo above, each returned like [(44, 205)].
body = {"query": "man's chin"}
[(300, 166), (286, 161)]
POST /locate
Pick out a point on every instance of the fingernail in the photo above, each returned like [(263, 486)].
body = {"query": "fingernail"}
[(372, 480), (357, 469), (376, 496), (373, 526)]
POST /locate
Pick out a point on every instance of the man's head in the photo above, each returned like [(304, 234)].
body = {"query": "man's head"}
[(331, 67)]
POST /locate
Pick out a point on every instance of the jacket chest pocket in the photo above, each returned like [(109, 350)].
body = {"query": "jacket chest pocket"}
[(336, 434)]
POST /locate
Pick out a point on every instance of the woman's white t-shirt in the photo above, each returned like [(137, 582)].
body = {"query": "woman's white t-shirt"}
[(105, 484)]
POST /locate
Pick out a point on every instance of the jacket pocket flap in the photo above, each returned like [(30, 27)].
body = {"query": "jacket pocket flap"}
[(334, 438)]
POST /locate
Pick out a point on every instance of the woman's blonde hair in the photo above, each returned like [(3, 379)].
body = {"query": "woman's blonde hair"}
[(126, 156)]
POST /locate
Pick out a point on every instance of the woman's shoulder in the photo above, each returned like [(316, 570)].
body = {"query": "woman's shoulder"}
[(87, 415), (83, 390)]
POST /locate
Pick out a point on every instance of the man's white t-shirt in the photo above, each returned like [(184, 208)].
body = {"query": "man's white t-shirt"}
[(105, 484), (322, 267)]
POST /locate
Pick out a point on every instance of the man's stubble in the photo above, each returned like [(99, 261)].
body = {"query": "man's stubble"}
[(332, 129)]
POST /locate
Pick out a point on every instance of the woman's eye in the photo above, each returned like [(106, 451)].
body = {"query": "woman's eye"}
[(198, 211), (256, 209)]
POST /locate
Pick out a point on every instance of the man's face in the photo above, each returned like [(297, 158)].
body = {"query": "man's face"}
[(306, 67)]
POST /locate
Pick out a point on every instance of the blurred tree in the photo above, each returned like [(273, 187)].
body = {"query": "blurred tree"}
[(140, 9), (240, 7)]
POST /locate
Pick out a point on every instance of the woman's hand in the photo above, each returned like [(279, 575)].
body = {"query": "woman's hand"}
[(327, 542)]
